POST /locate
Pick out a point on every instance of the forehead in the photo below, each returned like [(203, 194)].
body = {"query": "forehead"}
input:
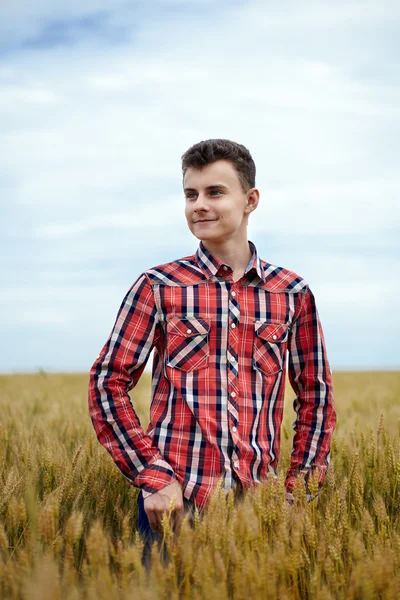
[(219, 172)]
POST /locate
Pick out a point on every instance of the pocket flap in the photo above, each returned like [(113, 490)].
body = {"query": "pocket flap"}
[(272, 332), (188, 326)]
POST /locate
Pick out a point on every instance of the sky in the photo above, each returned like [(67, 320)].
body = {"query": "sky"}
[(99, 100)]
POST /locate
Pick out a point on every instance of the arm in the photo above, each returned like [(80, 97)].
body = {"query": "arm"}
[(114, 373), (311, 379)]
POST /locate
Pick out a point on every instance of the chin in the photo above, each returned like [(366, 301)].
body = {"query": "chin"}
[(211, 234)]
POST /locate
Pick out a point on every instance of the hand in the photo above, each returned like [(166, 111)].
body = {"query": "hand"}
[(289, 498), (156, 504)]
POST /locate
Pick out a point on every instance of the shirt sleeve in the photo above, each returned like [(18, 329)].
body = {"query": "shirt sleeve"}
[(116, 371), (311, 379)]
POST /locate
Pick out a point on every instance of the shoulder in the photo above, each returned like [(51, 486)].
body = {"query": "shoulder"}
[(177, 272), (280, 279)]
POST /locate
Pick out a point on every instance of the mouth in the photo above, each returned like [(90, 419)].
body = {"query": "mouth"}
[(204, 220)]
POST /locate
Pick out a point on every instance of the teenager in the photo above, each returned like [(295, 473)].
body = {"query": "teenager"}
[(220, 322)]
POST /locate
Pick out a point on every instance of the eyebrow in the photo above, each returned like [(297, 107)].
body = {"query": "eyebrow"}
[(209, 187)]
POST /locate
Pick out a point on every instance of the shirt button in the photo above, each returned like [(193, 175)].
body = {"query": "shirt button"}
[(189, 331), (274, 337), (233, 293), (236, 464), (225, 268), (233, 325), (232, 359), (233, 394), (234, 429)]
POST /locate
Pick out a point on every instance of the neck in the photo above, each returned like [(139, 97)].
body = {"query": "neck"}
[(234, 253)]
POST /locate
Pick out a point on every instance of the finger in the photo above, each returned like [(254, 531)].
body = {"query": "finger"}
[(178, 523), (154, 522), (154, 516), (153, 526), (150, 517), (178, 517), (174, 519)]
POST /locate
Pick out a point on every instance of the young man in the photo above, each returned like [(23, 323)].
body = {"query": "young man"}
[(220, 322)]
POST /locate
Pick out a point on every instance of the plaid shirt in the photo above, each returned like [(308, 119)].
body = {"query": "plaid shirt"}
[(218, 377)]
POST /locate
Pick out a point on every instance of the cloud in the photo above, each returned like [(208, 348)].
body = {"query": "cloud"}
[(337, 208), (140, 219), (98, 103)]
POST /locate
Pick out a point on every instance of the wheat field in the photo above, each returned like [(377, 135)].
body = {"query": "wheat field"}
[(68, 517)]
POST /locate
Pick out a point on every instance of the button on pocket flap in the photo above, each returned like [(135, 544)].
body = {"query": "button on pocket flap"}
[(188, 326), (271, 332)]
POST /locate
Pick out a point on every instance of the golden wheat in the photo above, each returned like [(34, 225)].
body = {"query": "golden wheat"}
[(68, 517)]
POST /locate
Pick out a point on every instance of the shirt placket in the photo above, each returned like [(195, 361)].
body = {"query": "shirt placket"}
[(233, 370)]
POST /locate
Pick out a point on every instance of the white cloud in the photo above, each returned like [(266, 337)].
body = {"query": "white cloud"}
[(92, 132), (318, 14), (336, 208), (61, 306), (142, 218)]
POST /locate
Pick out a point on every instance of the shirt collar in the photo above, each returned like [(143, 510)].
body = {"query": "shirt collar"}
[(210, 265)]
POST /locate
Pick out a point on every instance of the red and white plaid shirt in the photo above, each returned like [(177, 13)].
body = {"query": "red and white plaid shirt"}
[(218, 377)]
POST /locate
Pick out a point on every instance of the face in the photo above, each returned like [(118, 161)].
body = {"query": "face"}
[(216, 207)]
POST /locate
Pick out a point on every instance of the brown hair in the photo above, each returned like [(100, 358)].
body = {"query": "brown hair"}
[(209, 151)]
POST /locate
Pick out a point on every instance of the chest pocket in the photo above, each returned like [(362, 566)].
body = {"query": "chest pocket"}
[(269, 346), (187, 343)]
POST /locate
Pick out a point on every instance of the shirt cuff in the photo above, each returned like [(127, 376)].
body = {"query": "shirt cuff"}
[(156, 476)]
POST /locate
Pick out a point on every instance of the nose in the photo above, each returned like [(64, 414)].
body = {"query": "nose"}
[(200, 204)]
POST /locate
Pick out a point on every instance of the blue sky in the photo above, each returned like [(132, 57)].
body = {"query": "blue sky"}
[(99, 100)]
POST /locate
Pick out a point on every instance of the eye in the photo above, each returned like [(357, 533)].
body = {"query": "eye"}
[(190, 195), (216, 192)]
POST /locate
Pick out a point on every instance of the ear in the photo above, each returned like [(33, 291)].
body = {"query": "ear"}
[(253, 197)]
